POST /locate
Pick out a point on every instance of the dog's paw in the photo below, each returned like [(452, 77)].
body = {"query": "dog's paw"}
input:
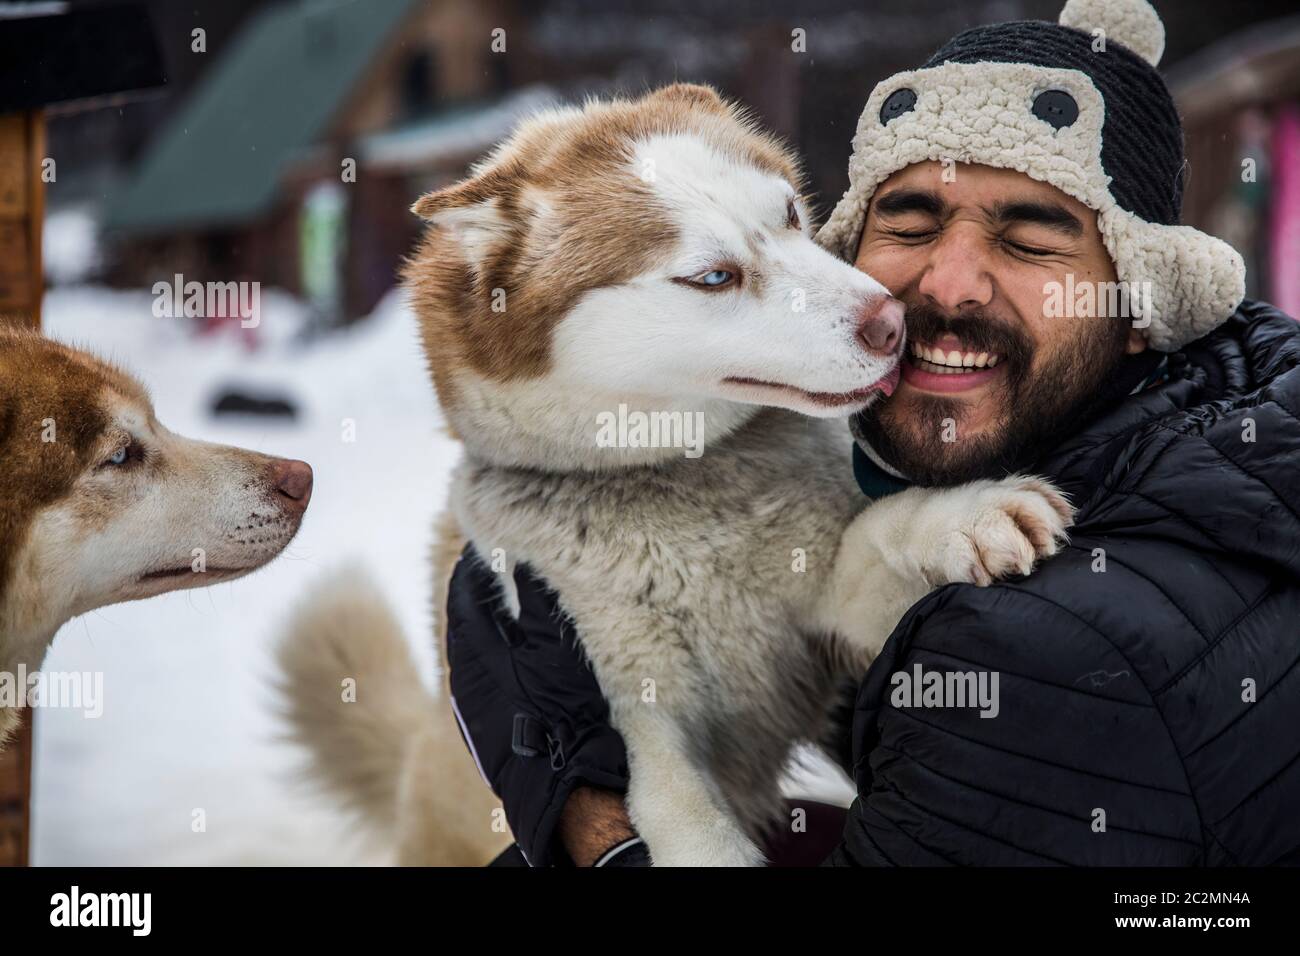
[(1000, 529)]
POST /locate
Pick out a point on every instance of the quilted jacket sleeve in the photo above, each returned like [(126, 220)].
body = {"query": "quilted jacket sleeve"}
[(1061, 758)]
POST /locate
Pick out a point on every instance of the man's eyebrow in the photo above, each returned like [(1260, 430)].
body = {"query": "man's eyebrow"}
[(1048, 214), (898, 201)]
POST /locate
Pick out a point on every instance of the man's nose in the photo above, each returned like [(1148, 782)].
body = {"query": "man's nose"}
[(956, 277), (880, 326)]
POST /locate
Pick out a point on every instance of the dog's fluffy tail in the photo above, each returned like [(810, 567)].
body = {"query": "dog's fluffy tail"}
[(377, 739)]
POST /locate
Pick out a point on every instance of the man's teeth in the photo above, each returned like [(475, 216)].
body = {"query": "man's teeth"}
[(952, 361)]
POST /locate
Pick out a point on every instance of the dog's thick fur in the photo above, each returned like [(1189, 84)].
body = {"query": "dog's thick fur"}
[(80, 530), (721, 598), (393, 754)]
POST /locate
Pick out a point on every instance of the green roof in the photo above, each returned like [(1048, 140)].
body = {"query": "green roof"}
[(266, 100)]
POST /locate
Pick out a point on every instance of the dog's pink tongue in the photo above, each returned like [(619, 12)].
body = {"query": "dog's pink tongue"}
[(890, 382)]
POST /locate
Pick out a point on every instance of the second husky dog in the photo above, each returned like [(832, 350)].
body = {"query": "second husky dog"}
[(649, 361), (99, 503)]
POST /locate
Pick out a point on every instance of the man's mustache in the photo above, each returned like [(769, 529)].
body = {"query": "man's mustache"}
[(978, 331)]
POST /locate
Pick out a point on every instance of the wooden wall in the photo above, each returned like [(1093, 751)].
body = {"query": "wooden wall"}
[(22, 209)]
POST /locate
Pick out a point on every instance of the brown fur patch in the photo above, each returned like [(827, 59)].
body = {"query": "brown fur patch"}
[(44, 381), (601, 226)]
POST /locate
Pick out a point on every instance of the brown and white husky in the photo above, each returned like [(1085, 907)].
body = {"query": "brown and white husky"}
[(99, 503), (649, 361)]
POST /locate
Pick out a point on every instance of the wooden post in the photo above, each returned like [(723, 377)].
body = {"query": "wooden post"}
[(15, 796), (22, 211)]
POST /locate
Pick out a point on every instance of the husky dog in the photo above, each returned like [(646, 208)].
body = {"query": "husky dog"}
[(99, 503), (611, 279)]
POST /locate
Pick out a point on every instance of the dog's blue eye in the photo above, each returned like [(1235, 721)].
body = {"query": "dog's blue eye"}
[(118, 457), (715, 278)]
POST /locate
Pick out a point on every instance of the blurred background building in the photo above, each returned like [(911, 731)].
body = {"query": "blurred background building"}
[(1240, 99), (288, 148)]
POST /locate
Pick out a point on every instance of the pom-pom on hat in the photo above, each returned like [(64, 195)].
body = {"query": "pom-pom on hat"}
[(1078, 104)]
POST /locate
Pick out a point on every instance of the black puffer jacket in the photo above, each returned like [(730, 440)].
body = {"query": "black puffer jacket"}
[(1126, 690), (1148, 708)]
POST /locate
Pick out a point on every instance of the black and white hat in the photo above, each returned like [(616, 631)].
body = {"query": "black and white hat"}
[(1078, 104)]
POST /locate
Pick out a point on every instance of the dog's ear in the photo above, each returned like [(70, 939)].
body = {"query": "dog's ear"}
[(470, 213), (691, 94), (468, 192)]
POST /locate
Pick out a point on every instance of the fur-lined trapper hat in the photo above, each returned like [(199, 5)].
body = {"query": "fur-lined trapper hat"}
[(1078, 104)]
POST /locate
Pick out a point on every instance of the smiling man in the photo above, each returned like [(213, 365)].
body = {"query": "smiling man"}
[(1138, 694), (990, 380)]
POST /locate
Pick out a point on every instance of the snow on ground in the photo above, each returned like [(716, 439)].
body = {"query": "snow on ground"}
[(188, 722)]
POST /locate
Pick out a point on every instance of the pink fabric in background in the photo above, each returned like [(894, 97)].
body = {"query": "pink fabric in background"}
[(1284, 237)]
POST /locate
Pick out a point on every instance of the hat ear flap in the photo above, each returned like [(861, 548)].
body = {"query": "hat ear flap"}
[(1193, 281)]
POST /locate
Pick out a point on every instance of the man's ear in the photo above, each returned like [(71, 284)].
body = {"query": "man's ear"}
[(471, 216)]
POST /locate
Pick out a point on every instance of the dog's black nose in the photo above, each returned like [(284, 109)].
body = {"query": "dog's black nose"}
[(293, 480)]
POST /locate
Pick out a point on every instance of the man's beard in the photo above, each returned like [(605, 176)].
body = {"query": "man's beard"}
[(1036, 408)]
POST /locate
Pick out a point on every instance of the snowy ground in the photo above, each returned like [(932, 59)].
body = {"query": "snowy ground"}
[(188, 722)]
